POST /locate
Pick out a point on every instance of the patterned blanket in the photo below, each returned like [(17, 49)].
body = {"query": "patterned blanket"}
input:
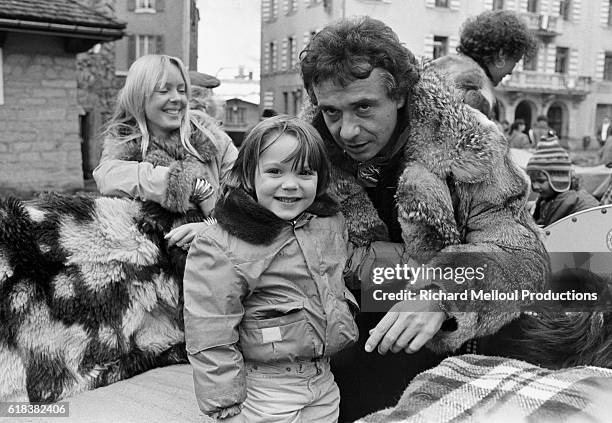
[(473, 388)]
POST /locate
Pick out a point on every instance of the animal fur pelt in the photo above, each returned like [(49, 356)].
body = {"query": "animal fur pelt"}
[(90, 292)]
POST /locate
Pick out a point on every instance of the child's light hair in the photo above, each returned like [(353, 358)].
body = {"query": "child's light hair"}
[(310, 150), (129, 120)]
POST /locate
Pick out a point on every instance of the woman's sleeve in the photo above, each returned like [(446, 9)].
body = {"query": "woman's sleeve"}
[(121, 172), (132, 179), (213, 311)]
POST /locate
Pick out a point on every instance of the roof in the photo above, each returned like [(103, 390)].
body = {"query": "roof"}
[(67, 16)]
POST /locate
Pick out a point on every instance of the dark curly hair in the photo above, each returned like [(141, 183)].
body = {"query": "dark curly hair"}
[(350, 49), (483, 36)]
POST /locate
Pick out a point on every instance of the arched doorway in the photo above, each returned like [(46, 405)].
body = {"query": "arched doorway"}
[(557, 119), (524, 110)]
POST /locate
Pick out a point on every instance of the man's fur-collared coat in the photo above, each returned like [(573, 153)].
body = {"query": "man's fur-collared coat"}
[(460, 201), (90, 292)]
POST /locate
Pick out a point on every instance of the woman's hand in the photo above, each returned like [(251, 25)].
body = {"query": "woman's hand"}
[(207, 205), (406, 330), (182, 236)]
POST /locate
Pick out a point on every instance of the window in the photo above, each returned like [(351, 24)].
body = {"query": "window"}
[(564, 9), (608, 66), (272, 48), (531, 63), (532, 6), (1, 80), (142, 5), (498, 4), (561, 60), (440, 47), (441, 3), (609, 12), (285, 102), (291, 47), (145, 44), (235, 115), (292, 6)]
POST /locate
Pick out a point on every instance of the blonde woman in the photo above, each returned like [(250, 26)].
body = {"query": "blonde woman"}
[(156, 150)]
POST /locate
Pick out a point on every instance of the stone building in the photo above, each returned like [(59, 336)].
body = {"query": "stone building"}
[(40, 143), (569, 80)]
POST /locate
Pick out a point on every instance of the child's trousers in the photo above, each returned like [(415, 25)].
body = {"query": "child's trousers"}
[(304, 391)]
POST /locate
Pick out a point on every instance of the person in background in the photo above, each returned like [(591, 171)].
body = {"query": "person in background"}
[(604, 131), (265, 301), (490, 46), (539, 130), (550, 171), (155, 149), (517, 138), (202, 96)]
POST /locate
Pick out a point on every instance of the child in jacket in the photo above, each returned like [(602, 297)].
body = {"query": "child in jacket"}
[(550, 170), (265, 301)]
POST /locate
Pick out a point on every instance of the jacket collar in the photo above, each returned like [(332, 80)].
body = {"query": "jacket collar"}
[(241, 216)]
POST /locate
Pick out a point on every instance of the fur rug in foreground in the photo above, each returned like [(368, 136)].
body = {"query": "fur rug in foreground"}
[(89, 294)]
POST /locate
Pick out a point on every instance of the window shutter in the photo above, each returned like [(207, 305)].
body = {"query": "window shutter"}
[(265, 10), (573, 62), (453, 42), (275, 9), (268, 100), (576, 10), (284, 55), (455, 4), (266, 59), (603, 15), (159, 44), (430, 3), (273, 57), (554, 8), (428, 46), (131, 5), (296, 53), (551, 58), (488, 4), (159, 5), (131, 49), (599, 65)]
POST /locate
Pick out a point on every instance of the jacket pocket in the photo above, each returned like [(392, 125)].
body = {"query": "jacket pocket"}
[(285, 338), (345, 331)]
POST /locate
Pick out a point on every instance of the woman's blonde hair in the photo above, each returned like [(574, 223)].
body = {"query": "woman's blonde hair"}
[(129, 121)]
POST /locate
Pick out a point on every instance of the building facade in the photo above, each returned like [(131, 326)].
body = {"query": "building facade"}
[(157, 26), (40, 141), (569, 80)]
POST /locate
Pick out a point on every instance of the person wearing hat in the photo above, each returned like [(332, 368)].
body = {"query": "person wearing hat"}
[(551, 174), (202, 94)]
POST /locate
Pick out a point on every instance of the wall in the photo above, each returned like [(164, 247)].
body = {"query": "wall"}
[(40, 147)]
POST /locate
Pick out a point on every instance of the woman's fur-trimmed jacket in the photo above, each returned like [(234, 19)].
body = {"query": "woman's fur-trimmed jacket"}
[(90, 292), (461, 203)]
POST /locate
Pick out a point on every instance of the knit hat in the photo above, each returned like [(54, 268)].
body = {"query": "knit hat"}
[(552, 160)]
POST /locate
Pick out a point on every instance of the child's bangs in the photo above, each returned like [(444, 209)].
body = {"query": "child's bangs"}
[(306, 156)]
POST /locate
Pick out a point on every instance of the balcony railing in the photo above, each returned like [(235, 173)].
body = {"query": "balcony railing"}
[(543, 25), (546, 82)]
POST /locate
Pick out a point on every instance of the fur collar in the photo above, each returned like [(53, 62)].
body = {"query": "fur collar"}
[(244, 218)]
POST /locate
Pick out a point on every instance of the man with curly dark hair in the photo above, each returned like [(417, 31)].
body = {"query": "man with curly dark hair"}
[(417, 173), (490, 46)]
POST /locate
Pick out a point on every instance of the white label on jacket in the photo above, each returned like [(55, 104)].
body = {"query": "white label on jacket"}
[(271, 334)]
